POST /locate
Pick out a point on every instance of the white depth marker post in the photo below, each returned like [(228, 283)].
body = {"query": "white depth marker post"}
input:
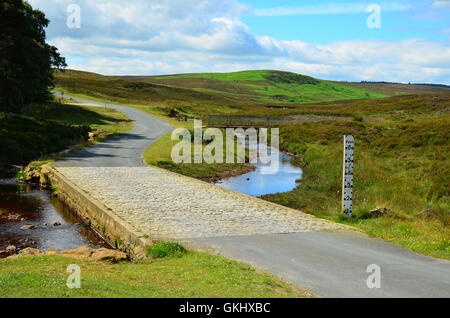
[(347, 180)]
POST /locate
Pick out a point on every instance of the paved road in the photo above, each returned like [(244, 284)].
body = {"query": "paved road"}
[(328, 262), (334, 264), (125, 150)]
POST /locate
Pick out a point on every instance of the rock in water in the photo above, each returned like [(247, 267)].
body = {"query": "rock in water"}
[(32, 174), (27, 227)]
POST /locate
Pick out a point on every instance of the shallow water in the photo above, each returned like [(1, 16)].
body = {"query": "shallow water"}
[(279, 176), (26, 205)]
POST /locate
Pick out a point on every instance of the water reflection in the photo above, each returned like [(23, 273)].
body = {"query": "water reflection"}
[(280, 175), (24, 205)]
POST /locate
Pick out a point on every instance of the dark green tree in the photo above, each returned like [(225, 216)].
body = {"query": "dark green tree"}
[(26, 60)]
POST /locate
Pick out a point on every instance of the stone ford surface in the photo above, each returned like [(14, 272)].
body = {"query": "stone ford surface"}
[(169, 206)]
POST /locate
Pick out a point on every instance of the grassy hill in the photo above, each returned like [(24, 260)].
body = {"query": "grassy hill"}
[(211, 92), (267, 86), (268, 93)]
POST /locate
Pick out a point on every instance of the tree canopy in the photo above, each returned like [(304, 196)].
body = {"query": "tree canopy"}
[(26, 60)]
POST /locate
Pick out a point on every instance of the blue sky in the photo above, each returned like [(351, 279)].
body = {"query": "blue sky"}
[(411, 19), (327, 39)]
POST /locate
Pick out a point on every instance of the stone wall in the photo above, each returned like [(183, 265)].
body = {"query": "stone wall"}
[(115, 230)]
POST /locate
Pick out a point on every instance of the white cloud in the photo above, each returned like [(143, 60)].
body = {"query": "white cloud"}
[(441, 4), (177, 36), (331, 8)]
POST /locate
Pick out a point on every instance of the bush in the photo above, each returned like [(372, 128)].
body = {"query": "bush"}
[(166, 249)]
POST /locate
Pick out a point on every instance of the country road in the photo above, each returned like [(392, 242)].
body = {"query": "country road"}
[(122, 151), (324, 257)]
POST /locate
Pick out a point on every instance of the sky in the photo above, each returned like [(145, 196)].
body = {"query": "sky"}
[(348, 40)]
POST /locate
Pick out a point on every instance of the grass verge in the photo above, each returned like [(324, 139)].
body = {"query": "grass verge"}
[(159, 154), (192, 275), (166, 249)]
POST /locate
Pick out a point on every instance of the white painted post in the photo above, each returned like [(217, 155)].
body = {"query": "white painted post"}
[(347, 179)]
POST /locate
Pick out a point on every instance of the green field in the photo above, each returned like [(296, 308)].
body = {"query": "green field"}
[(268, 86), (192, 275)]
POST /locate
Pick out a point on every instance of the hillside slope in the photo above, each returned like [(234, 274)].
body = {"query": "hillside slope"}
[(239, 88), (264, 86), (267, 93)]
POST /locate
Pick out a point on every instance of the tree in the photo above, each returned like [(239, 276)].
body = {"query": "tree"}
[(26, 60)]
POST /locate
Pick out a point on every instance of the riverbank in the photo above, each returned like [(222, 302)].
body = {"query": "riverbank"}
[(159, 155)]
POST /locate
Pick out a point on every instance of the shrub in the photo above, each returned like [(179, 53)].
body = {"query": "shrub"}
[(166, 249), (21, 175)]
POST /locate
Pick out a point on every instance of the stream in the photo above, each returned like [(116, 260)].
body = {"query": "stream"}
[(279, 176), (22, 204)]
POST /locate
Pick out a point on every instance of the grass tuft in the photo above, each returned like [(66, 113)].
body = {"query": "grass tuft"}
[(166, 249)]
